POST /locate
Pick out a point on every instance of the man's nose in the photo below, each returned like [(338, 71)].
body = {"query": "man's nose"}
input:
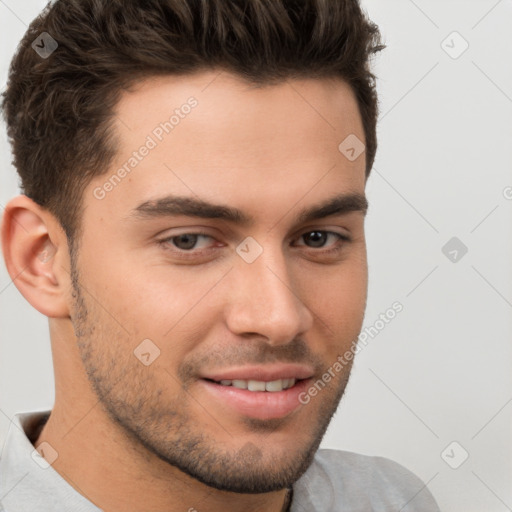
[(265, 300)]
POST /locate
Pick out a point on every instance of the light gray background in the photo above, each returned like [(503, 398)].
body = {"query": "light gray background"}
[(441, 371)]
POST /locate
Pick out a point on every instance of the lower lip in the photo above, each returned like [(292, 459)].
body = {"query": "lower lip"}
[(263, 405)]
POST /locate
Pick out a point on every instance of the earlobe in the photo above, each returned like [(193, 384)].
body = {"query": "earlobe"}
[(36, 256)]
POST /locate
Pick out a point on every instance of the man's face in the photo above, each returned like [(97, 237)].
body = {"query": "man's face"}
[(211, 303)]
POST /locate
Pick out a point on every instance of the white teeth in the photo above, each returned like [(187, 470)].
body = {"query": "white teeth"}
[(256, 385), (275, 385), (259, 385)]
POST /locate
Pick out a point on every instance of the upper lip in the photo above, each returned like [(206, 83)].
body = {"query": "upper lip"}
[(265, 373)]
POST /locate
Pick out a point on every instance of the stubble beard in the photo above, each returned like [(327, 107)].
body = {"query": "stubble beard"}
[(131, 400)]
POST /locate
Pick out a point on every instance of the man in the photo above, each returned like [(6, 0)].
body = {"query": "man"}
[(192, 225)]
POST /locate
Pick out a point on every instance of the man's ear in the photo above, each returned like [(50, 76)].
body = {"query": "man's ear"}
[(36, 255)]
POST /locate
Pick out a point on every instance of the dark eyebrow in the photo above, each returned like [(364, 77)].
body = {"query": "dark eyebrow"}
[(337, 205), (181, 205)]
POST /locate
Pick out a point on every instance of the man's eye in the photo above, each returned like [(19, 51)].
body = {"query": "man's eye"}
[(187, 241), (317, 239)]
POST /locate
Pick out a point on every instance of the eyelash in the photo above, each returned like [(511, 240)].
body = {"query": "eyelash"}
[(166, 242)]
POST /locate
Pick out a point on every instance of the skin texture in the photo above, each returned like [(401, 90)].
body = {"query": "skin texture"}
[(150, 437)]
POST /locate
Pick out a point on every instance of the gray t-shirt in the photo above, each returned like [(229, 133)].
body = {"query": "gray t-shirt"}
[(336, 481)]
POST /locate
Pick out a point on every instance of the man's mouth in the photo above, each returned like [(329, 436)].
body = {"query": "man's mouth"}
[(259, 385), (262, 392)]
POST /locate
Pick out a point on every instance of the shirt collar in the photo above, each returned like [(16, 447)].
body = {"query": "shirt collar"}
[(26, 479)]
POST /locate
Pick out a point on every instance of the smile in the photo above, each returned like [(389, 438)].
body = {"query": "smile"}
[(260, 385)]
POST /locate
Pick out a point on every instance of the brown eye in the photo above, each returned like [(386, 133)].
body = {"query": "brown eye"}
[(315, 238), (186, 241)]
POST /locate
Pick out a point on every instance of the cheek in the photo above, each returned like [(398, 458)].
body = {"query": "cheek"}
[(341, 289), (352, 294), (172, 307), (338, 300), (127, 287)]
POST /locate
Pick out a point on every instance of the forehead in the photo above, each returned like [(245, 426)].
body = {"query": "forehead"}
[(213, 135)]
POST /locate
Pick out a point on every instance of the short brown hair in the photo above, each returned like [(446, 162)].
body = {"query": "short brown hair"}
[(59, 109)]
